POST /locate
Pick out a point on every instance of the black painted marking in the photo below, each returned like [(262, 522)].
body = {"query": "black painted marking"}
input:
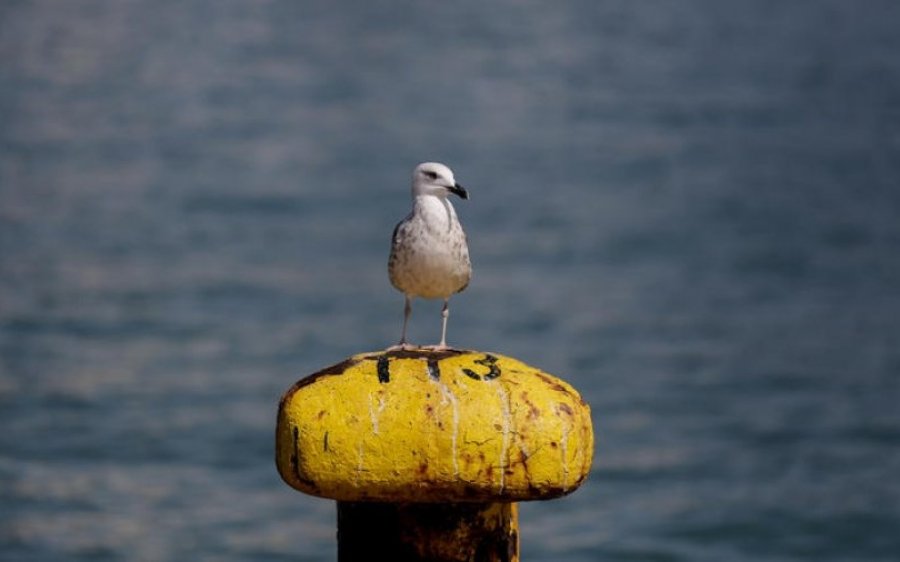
[(488, 361), (434, 370), (384, 369), (295, 459), (418, 353), (295, 456), (336, 369)]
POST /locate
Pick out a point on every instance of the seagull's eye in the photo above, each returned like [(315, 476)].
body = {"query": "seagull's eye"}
[(430, 175)]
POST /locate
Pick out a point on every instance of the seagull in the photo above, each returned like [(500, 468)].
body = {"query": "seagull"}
[(429, 256)]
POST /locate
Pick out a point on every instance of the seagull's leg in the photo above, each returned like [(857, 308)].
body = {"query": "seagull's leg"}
[(407, 309), (445, 313)]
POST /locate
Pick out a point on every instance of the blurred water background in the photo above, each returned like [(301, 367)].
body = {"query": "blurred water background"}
[(689, 210)]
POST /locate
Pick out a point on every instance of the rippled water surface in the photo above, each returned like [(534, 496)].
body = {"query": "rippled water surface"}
[(690, 211)]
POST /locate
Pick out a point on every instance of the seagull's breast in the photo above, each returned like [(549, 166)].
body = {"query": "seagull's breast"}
[(429, 255)]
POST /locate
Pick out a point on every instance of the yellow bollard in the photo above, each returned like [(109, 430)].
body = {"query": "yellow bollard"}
[(427, 452)]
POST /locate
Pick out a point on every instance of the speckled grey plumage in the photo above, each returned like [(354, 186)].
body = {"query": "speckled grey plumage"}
[(429, 254)]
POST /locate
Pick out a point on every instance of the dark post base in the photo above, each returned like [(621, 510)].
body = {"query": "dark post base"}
[(433, 532)]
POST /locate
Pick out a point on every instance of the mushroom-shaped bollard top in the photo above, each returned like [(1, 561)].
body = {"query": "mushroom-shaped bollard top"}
[(433, 426)]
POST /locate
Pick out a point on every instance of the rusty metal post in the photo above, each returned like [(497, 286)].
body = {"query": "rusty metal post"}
[(427, 531), (428, 452)]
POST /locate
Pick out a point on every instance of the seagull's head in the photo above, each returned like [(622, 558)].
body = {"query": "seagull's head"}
[(432, 178)]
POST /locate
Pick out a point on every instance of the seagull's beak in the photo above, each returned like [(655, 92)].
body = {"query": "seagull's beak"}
[(459, 190)]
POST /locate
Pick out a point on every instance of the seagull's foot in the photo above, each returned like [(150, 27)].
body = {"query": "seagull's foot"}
[(437, 347), (402, 346)]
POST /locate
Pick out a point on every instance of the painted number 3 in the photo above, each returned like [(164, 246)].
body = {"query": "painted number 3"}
[(488, 361)]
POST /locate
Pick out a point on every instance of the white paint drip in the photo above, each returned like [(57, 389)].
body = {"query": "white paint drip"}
[(374, 413), (447, 397), (520, 443), (504, 448)]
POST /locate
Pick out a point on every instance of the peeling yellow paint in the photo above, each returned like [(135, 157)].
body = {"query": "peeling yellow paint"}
[(424, 426)]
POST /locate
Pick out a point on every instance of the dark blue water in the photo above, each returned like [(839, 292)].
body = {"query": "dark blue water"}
[(690, 211)]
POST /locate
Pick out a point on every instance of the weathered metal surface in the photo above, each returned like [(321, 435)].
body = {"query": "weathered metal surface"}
[(424, 426), (476, 532)]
